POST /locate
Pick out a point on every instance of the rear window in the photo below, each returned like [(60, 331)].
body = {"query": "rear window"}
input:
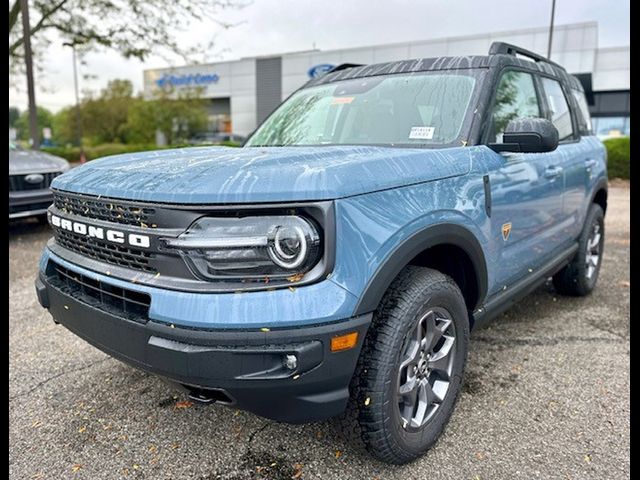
[(584, 118)]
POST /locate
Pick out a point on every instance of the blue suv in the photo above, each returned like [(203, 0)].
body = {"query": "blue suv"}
[(334, 265)]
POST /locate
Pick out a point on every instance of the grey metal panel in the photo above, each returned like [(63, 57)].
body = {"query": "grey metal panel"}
[(611, 104), (268, 86)]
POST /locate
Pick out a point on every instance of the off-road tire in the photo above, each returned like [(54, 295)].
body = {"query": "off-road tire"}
[(573, 280), (372, 417)]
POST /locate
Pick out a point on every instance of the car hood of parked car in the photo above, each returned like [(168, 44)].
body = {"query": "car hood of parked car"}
[(32, 161), (261, 174)]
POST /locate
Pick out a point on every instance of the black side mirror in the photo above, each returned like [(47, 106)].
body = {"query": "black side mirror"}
[(528, 135)]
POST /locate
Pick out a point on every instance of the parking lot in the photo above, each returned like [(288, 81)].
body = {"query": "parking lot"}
[(546, 396)]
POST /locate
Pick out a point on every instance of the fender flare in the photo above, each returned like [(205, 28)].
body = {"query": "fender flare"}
[(431, 236), (601, 184)]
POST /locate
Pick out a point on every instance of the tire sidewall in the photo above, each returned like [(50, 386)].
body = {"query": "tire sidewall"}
[(595, 215)]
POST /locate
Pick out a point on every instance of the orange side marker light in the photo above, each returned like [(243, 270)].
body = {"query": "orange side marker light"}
[(344, 342)]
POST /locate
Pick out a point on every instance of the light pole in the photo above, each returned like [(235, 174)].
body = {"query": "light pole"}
[(78, 112), (553, 14)]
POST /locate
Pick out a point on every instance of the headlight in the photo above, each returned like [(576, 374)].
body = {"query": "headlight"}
[(252, 248)]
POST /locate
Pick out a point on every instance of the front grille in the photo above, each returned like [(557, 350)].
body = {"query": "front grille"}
[(18, 183), (128, 257), (109, 211), (103, 296)]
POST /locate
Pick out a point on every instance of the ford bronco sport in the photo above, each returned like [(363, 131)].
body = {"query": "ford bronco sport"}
[(334, 265)]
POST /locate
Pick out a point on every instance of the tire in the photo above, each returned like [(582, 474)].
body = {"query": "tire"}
[(579, 277), (373, 417)]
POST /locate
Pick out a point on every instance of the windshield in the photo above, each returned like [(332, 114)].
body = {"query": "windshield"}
[(421, 109)]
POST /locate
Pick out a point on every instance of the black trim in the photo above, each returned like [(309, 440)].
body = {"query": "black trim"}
[(431, 236), (509, 49), (486, 181), (241, 367), (501, 301)]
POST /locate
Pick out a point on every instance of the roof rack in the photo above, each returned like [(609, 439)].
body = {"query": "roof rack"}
[(509, 49), (344, 66)]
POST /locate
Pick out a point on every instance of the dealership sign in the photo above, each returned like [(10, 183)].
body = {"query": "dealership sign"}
[(192, 79), (319, 70)]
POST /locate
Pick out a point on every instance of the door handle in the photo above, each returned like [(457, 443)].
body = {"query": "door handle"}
[(589, 164), (552, 172)]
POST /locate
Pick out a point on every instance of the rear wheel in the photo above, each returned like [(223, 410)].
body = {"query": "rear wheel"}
[(410, 370), (580, 276)]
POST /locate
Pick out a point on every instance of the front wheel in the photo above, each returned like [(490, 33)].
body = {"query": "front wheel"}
[(580, 276), (410, 371)]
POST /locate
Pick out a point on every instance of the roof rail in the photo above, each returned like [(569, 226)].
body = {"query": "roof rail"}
[(509, 49), (344, 66)]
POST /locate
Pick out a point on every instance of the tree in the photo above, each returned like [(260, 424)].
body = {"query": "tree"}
[(134, 28), (14, 115), (104, 118), (44, 117), (177, 118)]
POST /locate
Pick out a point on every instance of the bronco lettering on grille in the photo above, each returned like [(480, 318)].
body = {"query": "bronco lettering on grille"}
[(114, 236)]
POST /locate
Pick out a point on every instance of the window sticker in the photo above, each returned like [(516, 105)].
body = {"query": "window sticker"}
[(341, 100), (421, 133)]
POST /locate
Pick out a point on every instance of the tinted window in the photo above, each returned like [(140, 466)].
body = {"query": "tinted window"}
[(416, 109), (515, 98), (560, 113), (584, 119)]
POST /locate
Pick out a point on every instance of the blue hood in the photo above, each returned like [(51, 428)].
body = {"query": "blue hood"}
[(257, 174)]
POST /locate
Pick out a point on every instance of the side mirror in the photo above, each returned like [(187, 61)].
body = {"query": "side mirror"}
[(528, 135)]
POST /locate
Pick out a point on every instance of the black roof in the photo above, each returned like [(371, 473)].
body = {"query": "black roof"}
[(500, 55)]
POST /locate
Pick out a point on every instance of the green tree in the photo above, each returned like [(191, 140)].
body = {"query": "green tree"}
[(45, 119), (104, 118), (176, 118), (14, 115)]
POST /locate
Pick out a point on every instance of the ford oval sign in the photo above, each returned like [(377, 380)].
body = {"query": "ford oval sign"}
[(319, 70), (34, 178)]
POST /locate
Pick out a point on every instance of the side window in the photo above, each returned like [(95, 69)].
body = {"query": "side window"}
[(560, 113), (584, 118), (515, 98)]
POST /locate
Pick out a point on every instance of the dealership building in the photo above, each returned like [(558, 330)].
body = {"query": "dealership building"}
[(241, 93)]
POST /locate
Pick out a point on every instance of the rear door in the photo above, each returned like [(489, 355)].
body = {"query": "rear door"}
[(572, 156), (526, 188)]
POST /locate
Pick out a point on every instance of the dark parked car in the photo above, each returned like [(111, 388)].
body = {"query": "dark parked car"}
[(30, 176), (217, 138), (336, 263)]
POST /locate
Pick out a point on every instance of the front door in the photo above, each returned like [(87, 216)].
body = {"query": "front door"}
[(526, 188)]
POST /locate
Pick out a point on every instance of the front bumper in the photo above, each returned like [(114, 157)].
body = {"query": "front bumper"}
[(29, 203), (244, 368)]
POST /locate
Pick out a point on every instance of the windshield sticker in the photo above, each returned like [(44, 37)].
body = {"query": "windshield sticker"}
[(341, 100), (421, 133)]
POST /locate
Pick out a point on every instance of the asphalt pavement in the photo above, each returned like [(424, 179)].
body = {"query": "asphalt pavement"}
[(546, 395)]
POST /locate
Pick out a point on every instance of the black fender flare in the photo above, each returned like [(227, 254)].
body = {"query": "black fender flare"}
[(431, 236), (601, 184)]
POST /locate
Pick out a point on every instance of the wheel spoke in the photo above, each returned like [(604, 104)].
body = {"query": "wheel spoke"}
[(439, 361), (408, 387), (411, 354), (425, 398)]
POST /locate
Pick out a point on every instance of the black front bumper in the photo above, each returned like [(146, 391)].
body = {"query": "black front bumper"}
[(241, 368), (29, 203)]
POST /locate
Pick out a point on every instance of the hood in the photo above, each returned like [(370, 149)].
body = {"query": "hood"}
[(258, 174), (34, 161)]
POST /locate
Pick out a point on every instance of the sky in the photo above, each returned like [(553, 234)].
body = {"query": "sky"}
[(279, 26)]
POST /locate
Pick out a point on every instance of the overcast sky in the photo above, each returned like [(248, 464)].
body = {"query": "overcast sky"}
[(280, 26)]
